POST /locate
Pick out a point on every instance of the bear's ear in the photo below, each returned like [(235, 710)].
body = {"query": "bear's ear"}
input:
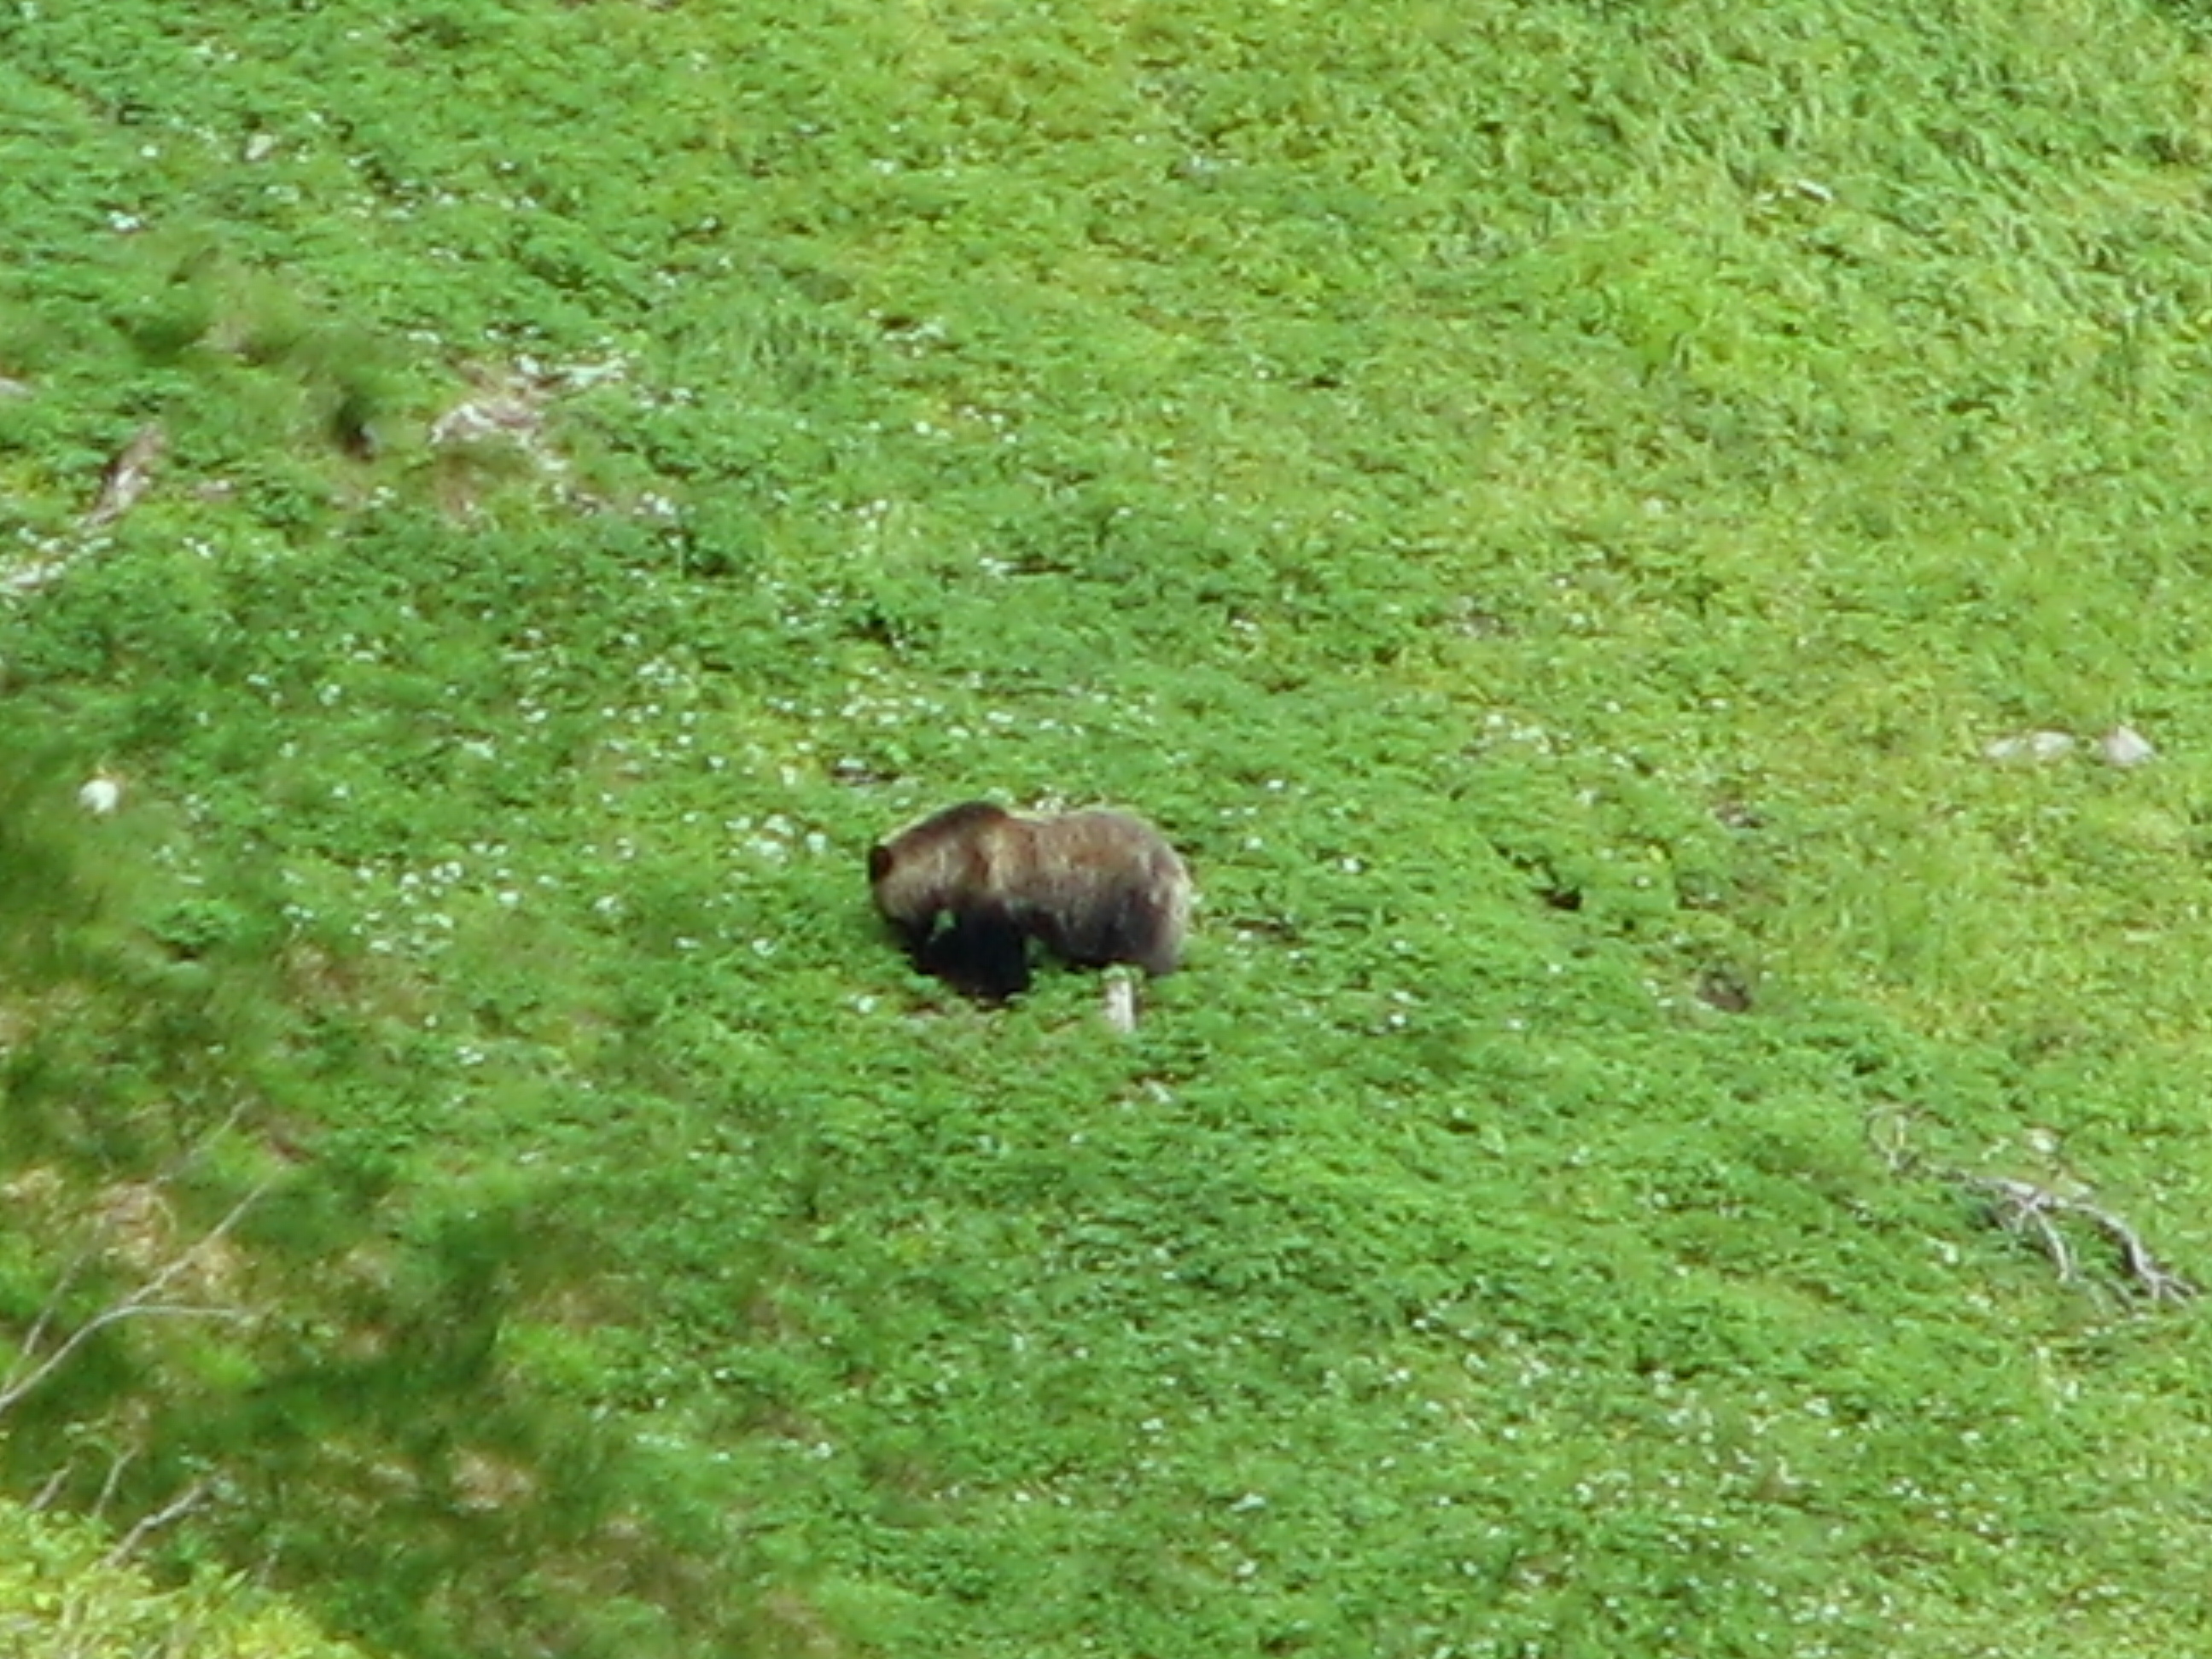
[(879, 862)]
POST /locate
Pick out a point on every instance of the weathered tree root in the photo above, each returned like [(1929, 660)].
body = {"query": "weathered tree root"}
[(2023, 1207), (2034, 1211)]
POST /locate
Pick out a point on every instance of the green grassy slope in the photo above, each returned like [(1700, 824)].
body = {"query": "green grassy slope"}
[(63, 1593), (1548, 504)]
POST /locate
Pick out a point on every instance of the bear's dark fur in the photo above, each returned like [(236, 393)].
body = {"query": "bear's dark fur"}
[(967, 889)]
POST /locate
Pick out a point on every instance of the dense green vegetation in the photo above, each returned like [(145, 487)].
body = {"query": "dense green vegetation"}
[(63, 1594), (1549, 504)]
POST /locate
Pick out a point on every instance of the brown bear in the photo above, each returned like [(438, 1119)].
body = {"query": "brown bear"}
[(1093, 888)]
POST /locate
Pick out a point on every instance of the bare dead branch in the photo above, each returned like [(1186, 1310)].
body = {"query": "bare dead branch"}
[(192, 1499), (35, 1338), (2034, 1211), (52, 1488), (1121, 1001), (2159, 1282), (31, 1368), (13, 1395), (128, 476), (2021, 1206), (120, 1462)]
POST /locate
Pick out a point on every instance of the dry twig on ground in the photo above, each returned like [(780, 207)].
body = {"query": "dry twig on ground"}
[(128, 476), (2034, 1211), (2021, 1206), (176, 1509), (37, 1359), (1121, 1000)]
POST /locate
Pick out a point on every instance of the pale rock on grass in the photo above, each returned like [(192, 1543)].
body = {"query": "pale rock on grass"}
[(2124, 747), (2030, 747)]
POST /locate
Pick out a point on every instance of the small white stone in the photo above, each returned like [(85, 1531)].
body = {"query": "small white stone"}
[(2031, 745), (101, 795), (2124, 746)]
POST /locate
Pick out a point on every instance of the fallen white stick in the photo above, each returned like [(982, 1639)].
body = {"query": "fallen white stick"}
[(2021, 1206), (1121, 1000)]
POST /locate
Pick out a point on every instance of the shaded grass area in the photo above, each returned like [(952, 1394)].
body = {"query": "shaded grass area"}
[(1547, 505)]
